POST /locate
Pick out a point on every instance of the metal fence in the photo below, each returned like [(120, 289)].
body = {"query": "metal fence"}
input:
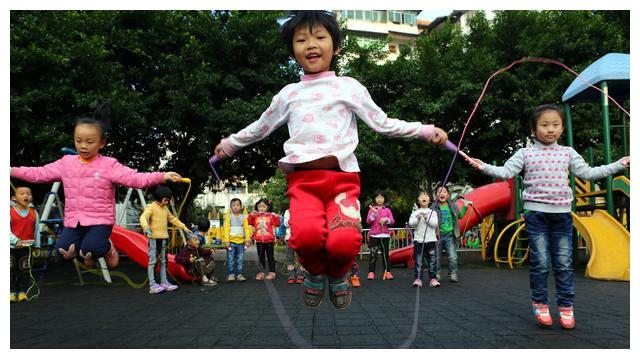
[(403, 237)]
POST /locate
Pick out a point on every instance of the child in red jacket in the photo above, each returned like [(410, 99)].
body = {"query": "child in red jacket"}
[(198, 261), (263, 220)]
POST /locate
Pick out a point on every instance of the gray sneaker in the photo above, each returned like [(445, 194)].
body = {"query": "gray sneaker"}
[(231, 278), (240, 278), (453, 277)]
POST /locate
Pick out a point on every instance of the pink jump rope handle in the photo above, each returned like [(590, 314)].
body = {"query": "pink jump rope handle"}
[(212, 162)]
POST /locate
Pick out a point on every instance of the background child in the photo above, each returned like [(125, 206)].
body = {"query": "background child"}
[(236, 237), (321, 168), (153, 221), (448, 229), (202, 229), (263, 221), (24, 232), (547, 204), (379, 218), (295, 274), (425, 222), (198, 261), (88, 179)]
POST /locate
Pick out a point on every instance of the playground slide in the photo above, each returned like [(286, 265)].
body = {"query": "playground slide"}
[(135, 245), (488, 199), (609, 246)]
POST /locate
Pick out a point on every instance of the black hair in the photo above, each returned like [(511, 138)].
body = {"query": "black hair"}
[(441, 185), (235, 200), (100, 119), (265, 201), (381, 193), (310, 18), (203, 224), (161, 192), (418, 198), (538, 111)]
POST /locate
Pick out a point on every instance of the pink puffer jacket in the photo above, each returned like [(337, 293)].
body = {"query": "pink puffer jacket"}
[(89, 191)]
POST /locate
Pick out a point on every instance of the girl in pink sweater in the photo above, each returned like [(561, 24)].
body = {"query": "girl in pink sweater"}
[(380, 219), (88, 179)]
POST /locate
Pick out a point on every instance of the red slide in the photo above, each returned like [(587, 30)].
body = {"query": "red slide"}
[(135, 245), (492, 198)]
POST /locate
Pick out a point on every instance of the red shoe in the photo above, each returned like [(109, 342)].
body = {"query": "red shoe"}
[(112, 258), (371, 276), (291, 281), (541, 312), (300, 279), (355, 281), (567, 320)]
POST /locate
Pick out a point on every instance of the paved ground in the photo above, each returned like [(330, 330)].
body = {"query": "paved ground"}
[(488, 308)]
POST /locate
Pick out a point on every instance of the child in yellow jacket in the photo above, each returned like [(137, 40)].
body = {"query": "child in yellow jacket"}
[(154, 224), (236, 237)]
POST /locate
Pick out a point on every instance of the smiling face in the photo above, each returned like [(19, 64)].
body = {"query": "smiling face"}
[(88, 140), (22, 197), (313, 49), (443, 194), (548, 127)]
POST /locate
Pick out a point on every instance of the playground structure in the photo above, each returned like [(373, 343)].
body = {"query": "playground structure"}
[(602, 224)]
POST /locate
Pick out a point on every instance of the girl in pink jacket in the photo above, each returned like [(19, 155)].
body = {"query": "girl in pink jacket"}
[(88, 179), (379, 218)]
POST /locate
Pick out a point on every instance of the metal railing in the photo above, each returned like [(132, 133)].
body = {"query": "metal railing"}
[(403, 237)]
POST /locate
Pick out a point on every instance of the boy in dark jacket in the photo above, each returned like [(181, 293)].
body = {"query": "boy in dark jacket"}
[(198, 261)]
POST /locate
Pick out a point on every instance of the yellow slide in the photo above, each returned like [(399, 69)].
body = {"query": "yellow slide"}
[(609, 246)]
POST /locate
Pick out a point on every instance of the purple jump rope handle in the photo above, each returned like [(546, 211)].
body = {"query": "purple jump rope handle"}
[(212, 163), (451, 146)]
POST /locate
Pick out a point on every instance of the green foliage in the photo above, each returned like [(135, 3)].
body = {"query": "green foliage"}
[(179, 81)]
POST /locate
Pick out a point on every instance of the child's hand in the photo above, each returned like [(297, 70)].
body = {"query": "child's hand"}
[(192, 258), (213, 250), (475, 163), (19, 244), (147, 232), (466, 202), (189, 231), (172, 176), (439, 136), (626, 161), (383, 221)]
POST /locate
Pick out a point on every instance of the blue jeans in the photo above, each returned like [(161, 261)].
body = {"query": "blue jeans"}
[(447, 241), (235, 258), (154, 253), (550, 242), (422, 251)]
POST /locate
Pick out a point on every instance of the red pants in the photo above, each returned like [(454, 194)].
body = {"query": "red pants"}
[(325, 220)]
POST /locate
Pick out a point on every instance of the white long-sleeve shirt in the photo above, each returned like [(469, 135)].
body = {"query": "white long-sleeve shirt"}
[(424, 219), (319, 112)]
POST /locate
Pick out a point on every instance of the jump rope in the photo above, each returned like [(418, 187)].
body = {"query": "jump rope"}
[(293, 334)]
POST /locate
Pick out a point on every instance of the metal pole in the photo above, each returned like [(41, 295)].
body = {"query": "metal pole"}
[(607, 144), (592, 185)]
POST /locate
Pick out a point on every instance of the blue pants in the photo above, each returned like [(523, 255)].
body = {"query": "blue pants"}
[(550, 241), (235, 258), (426, 251), (88, 239), (447, 241)]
